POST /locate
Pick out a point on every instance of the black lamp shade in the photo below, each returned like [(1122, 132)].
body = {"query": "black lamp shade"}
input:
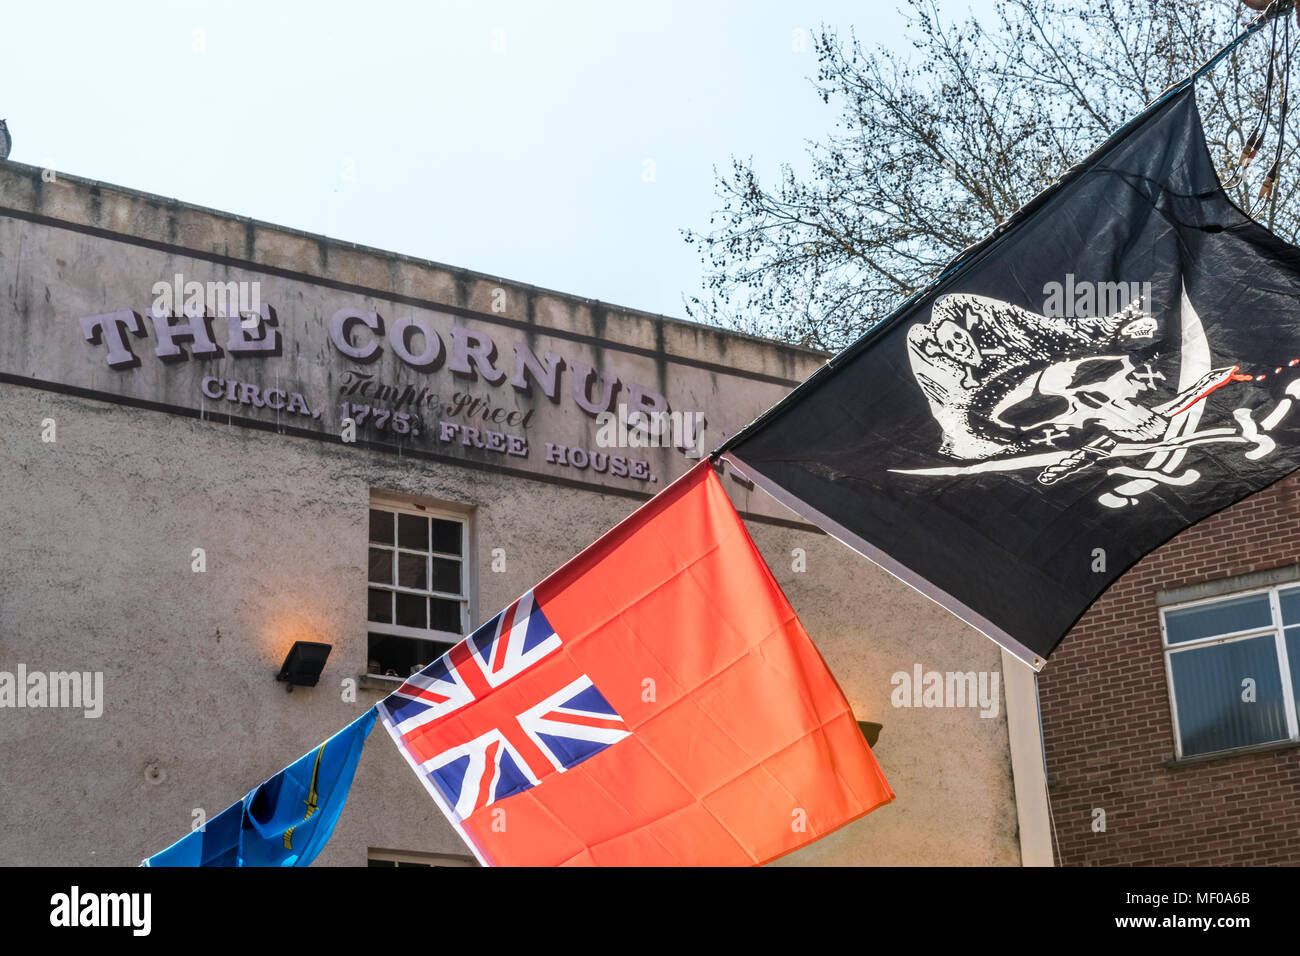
[(305, 661), (870, 730)]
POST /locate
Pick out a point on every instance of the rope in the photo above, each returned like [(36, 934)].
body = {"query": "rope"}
[(1267, 189), (1256, 137)]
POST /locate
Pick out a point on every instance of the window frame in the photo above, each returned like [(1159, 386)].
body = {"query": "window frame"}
[(412, 505), (1277, 628), (394, 857)]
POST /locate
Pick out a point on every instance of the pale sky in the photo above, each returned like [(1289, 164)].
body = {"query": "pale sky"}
[(514, 139)]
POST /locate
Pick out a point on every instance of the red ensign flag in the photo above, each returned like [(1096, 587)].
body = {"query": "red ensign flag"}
[(654, 702)]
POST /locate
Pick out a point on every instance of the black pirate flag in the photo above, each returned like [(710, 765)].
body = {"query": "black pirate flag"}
[(1119, 363)]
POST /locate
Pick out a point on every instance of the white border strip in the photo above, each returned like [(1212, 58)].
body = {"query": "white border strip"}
[(894, 567)]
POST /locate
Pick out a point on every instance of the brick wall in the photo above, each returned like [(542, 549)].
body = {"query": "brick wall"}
[(1107, 725)]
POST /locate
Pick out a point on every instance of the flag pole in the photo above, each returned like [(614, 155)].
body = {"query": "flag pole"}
[(970, 254)]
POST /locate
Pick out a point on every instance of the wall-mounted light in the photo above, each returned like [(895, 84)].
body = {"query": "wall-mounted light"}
[(870, 730), (303, 664)]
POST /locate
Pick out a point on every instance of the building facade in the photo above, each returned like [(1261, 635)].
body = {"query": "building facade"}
[(221, 437)]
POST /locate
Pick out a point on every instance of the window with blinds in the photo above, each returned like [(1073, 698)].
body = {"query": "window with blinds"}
[(1232, 665)]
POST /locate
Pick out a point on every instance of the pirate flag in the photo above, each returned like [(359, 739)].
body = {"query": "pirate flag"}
[(1118, 362)]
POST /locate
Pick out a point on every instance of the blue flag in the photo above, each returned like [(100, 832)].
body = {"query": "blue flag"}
[(284, 821)]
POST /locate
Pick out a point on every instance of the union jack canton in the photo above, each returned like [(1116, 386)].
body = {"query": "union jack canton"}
[(475, 747)]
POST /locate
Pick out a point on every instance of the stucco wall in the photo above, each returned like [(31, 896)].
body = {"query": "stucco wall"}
[(95, 574), (98, 527)]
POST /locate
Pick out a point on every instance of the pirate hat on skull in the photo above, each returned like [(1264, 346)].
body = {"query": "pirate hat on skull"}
[(998, 376)]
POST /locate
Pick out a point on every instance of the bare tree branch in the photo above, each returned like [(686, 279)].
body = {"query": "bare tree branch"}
[(929, 152)]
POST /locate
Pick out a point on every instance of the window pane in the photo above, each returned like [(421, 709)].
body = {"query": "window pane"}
[(446, 575), (413, 532), (381, 606), (446, 536), (381, 566), (1208, 688), (410, 610), (394, 656), (413, 571), (381, 526), (1290, 602), (1221, 617), (445, 615)]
